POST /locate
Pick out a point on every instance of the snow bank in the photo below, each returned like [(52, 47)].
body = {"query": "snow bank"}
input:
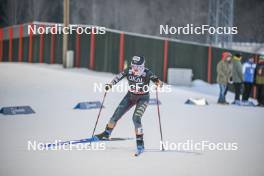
[(53, 91)]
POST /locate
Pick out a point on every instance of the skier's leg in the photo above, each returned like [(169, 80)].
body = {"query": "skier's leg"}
[(138, 113), (122, 108)]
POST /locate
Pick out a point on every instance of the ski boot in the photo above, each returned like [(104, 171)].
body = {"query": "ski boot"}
[(140, 145), (104, 135)]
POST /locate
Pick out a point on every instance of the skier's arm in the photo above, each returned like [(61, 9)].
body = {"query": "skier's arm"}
[(116, 79), (155, 79), (119, 77)]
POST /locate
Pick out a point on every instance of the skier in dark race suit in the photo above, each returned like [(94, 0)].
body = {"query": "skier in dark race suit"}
[(138, 78)]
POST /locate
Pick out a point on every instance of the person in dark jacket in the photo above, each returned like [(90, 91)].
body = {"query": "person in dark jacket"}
[(237, 77), (260, 81), (249, 68), (138, 77), (224, 71)]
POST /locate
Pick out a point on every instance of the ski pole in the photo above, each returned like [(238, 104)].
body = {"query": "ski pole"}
[(161, 136), (99, 113)]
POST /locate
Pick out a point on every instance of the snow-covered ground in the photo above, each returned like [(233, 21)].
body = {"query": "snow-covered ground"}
[(53, 92)]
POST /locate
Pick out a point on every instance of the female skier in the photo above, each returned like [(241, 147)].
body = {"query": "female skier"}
[(138, 79)]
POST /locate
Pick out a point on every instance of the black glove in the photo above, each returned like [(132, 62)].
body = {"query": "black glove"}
[(159, 83), (230, 80), (108, 87)]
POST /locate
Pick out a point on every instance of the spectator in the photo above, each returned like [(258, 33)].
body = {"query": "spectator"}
[(249, 68), (237, 77), (224, 71), (260, 81)]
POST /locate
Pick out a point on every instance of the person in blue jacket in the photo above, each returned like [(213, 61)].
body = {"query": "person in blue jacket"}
[(249, 68)]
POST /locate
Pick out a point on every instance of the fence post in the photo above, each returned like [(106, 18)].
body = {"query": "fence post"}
[(52, 46), (1, 44), (30, 45), (121, 52), (10, 50), (209, 65), (20, 47), (92, 48), (77, 50), (41, 46), (165, 60)]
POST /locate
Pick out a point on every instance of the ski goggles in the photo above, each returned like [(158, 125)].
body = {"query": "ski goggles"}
[(138, 67)]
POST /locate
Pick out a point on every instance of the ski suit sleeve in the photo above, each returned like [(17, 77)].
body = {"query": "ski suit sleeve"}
[(119, 77)]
